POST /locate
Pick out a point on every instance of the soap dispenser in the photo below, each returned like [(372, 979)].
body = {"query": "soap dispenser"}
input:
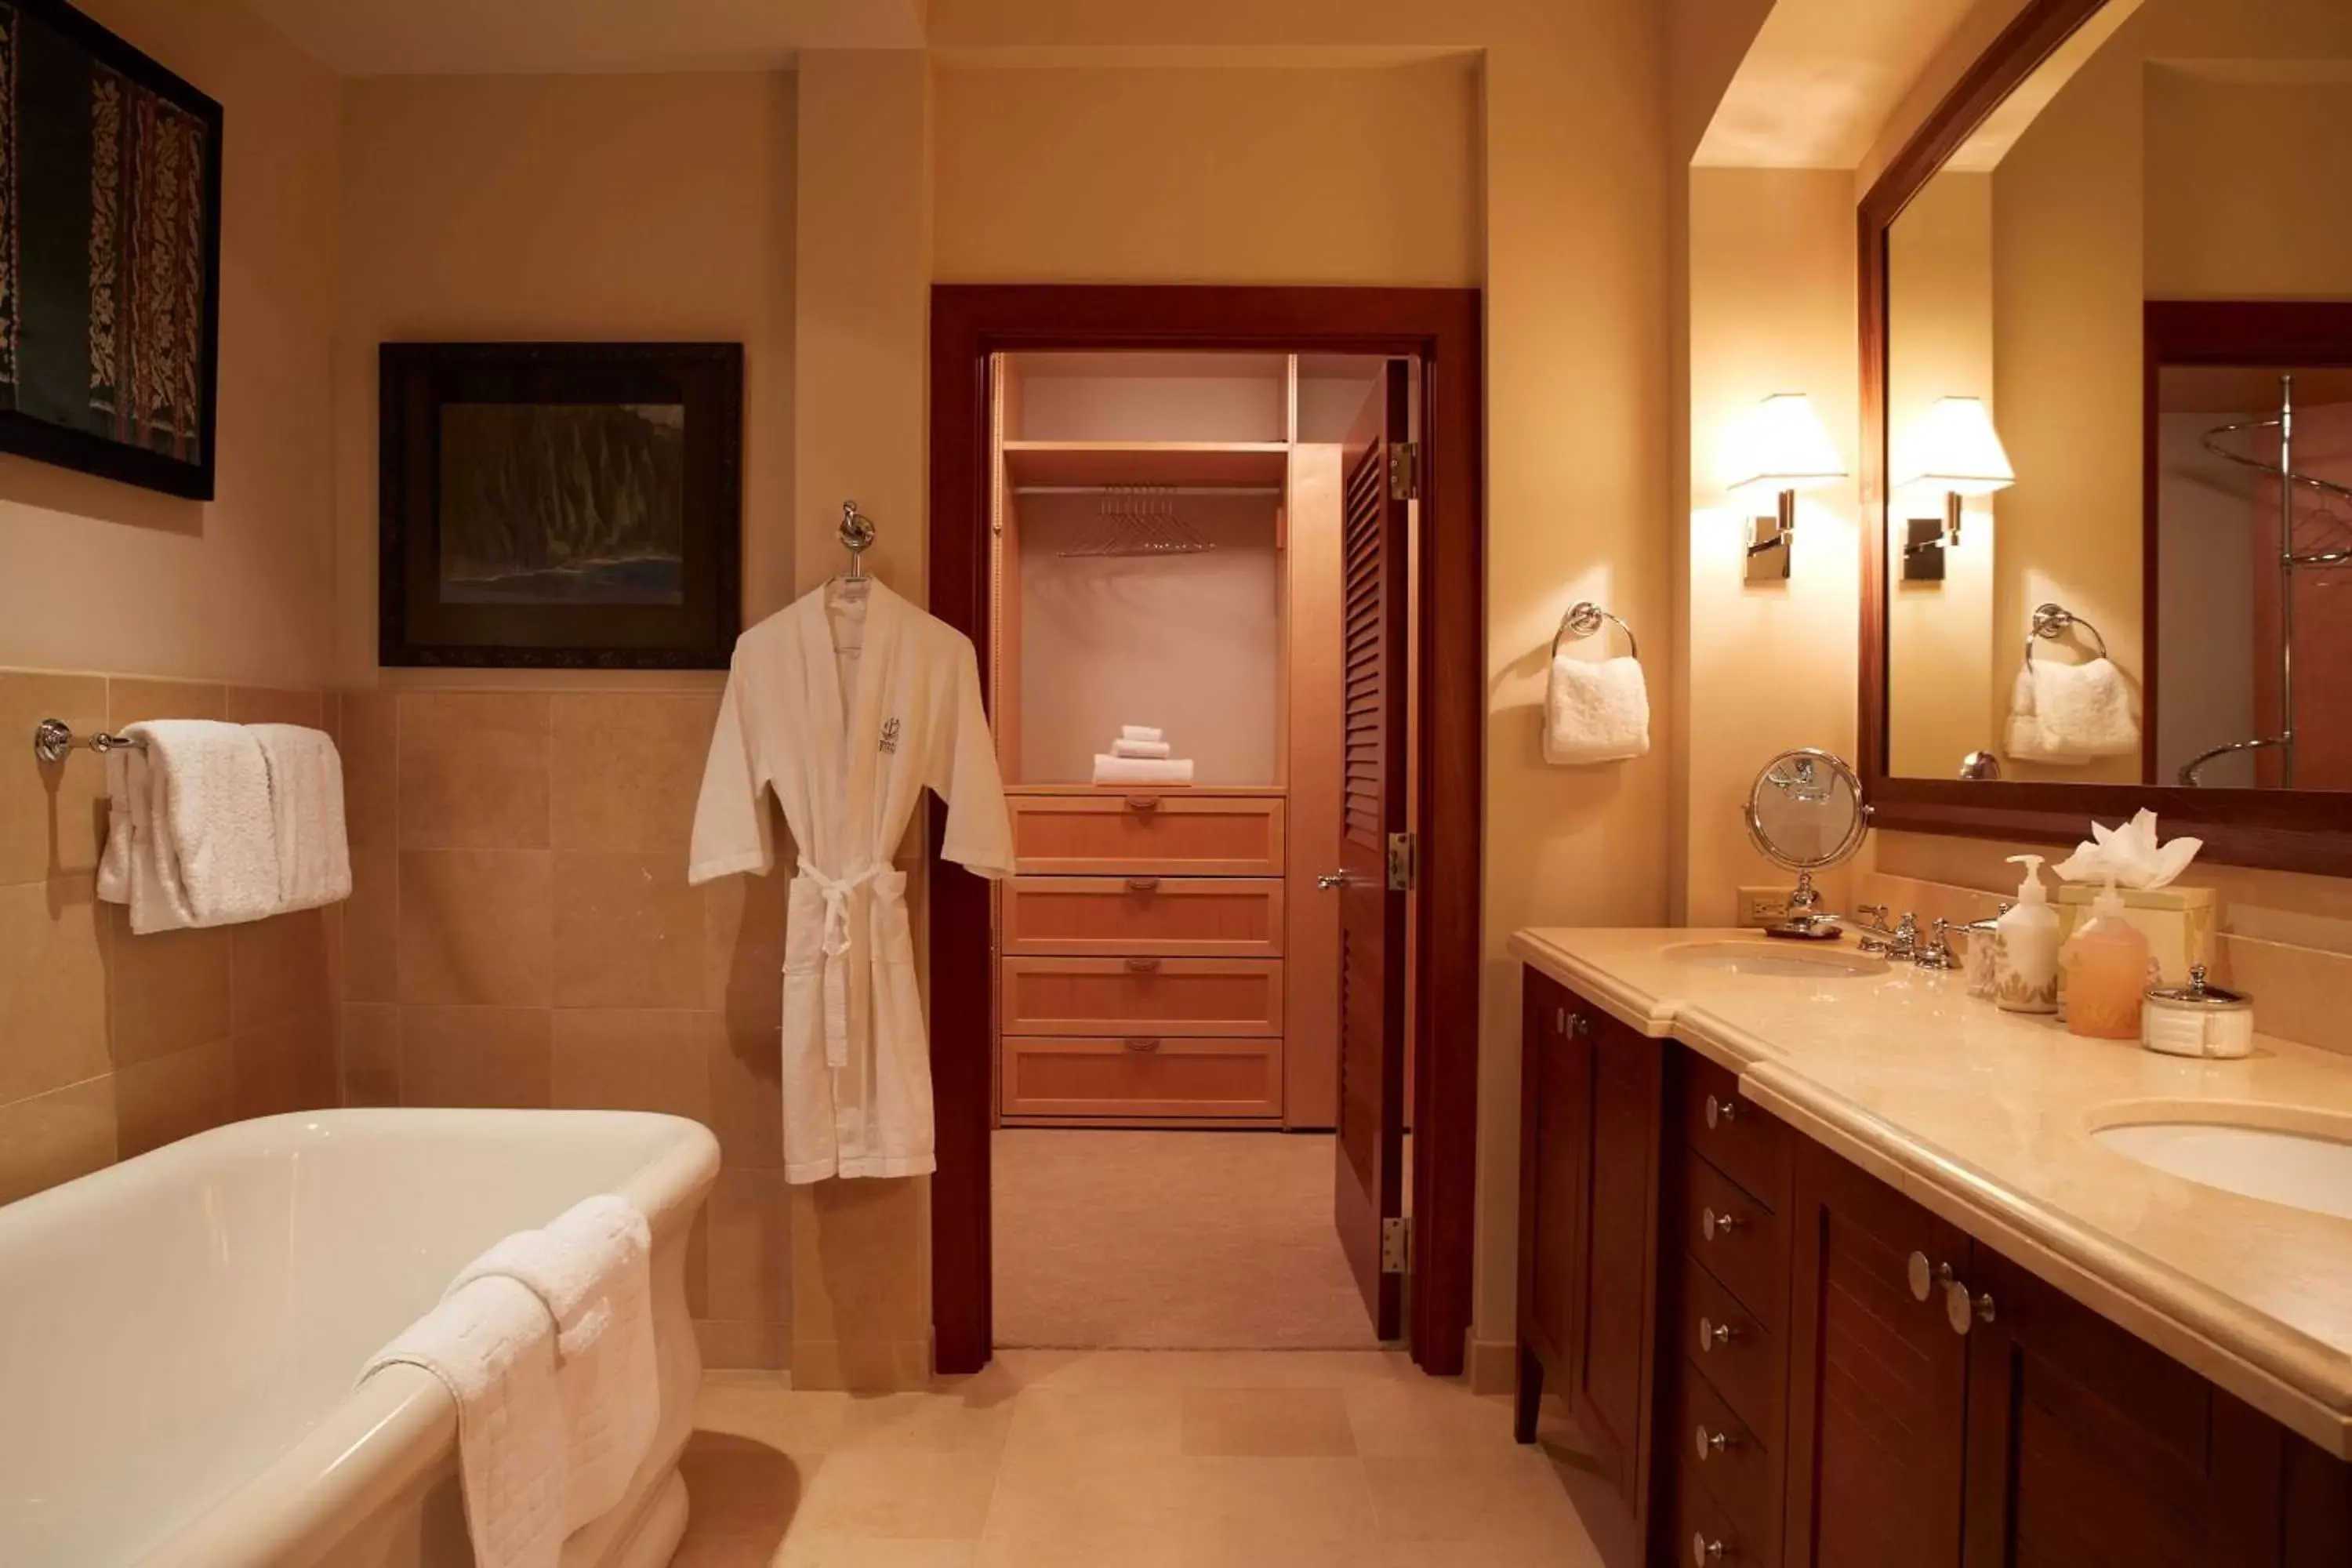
[(2106, 963), (2026, 947)]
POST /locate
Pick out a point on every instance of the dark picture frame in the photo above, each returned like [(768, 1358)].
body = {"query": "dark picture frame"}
[(560, 505), (110, 286)]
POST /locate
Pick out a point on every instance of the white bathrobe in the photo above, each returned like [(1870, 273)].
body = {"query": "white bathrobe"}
[(847, 707)]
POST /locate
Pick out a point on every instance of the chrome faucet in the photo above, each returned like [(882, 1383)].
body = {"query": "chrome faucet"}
[(1901, 943)]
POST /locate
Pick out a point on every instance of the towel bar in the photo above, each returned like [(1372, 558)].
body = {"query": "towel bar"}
[(1583, 619), (53, 737), (2055, 621)]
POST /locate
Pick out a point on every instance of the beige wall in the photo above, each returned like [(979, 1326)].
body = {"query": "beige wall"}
[(111, 1043), (2245, 187), (103, 576)]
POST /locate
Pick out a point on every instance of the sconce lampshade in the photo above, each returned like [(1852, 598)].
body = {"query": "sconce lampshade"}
[(1955, 448), (1782, 447)]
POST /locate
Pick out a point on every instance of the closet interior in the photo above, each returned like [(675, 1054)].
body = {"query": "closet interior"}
[(1168, 570)]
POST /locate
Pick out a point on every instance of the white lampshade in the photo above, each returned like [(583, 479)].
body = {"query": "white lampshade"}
[(1955, 448), (1781, 447)]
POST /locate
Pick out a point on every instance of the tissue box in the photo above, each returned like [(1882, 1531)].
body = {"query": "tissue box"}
[(2180, 923)]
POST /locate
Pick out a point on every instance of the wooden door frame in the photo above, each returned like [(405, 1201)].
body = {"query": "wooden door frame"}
[(1442, 328)]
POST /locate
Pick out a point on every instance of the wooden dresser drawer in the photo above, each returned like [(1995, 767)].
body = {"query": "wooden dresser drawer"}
[(1148, 833), (1743, 1245), (1142, 996), (1740, 1140), (1704, 1534), (1742, 1360), (1173, 917), (1145, 1077), (1740, 1470)]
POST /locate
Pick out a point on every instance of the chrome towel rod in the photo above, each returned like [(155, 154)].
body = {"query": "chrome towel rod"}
[(1583, 619), (53, 737)]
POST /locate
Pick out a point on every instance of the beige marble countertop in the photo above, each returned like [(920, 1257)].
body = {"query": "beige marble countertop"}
[(1985, 1117)]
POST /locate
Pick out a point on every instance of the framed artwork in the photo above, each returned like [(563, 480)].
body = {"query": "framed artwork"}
[(570, 505), (110, 255)]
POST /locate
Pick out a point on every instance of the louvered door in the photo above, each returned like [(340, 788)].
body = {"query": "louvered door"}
[(1369, 1190)]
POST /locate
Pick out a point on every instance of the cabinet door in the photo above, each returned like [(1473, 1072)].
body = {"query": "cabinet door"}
[(2089, 1447), (1877, 1379), (1555, 1166), (1613, 1389)]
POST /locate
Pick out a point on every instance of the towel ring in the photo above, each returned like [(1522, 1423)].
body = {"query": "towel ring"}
[(2055, 621), (1583, 619)]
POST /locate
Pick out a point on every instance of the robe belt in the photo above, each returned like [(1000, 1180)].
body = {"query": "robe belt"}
[(837, 891)]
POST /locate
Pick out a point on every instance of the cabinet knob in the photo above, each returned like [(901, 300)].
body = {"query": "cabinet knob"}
[(1143, 803), (1578, 1024), (1707, 1442), (1924, 1276), (1715, 1226), (1964, 1312), (1703, 1551), (1142, 965), (1721, 1113), (1143, 884), (1713, 1336), (1142, 1042)]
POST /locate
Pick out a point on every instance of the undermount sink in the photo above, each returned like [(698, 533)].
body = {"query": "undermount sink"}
[(1788, 959), (2299, 1170)]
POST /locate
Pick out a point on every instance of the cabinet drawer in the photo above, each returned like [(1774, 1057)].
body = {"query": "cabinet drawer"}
[(1742, 1359), (1174, 917), (1743, 1245), (1704, 1534), (1142, 996), (1144, 1077), (1740, 1471), (1743, 1143), (1148, 833)]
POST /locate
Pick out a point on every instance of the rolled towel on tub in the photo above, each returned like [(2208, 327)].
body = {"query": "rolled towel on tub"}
[(1595, 711), (1142, 770), (1123, 747)]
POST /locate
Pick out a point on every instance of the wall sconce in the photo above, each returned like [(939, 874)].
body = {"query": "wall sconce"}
[(1955, 449), (1783, 449)]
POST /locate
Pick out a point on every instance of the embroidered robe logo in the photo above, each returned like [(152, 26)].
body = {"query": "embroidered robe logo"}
[(890, 737)]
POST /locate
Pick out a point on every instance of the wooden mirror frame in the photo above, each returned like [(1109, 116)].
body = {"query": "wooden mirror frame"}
[(2308, 831)]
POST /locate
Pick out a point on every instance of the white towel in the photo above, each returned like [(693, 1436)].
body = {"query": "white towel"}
[(558, 1405), (2022, 738), (306, 800), (2068, 714), (1142, 770), (200, 844), (1595, 711), (492, 1345), (1141, 732), (1123, 747)]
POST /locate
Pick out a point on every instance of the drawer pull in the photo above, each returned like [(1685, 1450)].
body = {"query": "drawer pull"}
[(1142, 1042), (1143, 965), (1963, 1311), (1579, 1024), (1710, 1442), (1704, 1551), (1713, 1336), (1721, 1113), (1143, 803), (1143, 884), (1715, 1226), (1924, 1276)]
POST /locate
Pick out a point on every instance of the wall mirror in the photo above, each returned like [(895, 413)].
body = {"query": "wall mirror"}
[(2107, 377)]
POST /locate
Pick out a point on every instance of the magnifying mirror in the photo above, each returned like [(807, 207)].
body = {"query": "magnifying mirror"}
[(1805, 813)]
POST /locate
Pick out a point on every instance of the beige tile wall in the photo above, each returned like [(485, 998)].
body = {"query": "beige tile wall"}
[(113, 1044), (521, 932)]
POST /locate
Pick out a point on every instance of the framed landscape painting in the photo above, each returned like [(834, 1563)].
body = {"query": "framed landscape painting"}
[(110, 255), (560, 504)]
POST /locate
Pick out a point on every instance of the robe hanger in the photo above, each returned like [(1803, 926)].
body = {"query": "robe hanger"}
[(856, 535)]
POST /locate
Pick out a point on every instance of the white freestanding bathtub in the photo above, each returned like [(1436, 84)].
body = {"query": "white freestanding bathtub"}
[(180, 1337)]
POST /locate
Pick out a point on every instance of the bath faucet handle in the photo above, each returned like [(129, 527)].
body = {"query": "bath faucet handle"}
[(1902, 943), (1938, 953)]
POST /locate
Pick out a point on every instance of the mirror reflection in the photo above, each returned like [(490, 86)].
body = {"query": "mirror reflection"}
[(2119, 414)]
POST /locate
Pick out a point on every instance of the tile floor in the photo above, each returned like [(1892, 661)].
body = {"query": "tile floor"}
[(1130, 1459)]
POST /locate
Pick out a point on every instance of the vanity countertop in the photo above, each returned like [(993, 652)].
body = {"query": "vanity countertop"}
[(1985, 1117)]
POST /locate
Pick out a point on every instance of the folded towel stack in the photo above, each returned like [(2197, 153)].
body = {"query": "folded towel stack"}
[(214, 824), (2066, 715), (1595, 711), (545, 1343), (1140, 755)]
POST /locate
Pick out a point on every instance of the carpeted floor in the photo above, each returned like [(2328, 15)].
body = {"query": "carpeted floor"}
[(1170, 1241)]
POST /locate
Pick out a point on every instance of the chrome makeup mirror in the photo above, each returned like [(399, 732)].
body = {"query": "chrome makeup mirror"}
[(1805, 813)]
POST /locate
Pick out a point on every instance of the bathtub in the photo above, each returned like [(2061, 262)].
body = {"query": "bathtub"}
[(180, 1333)]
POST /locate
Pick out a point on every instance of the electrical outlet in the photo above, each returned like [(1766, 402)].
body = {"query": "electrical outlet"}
[(1763, 906)]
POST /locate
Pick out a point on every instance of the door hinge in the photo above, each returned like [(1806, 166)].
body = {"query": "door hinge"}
[(1404, 861), (1405, 470), (1396, 1245)]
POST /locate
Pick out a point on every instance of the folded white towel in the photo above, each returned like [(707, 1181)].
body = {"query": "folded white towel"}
[(199, 833), (492, 1345), (2021, 737), (1141, 732), (1595, 711), (2069, 713), (1142, 770), (306, 800), (1123, 747)]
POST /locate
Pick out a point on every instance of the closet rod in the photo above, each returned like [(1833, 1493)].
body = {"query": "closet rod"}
[(1141, 490)]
